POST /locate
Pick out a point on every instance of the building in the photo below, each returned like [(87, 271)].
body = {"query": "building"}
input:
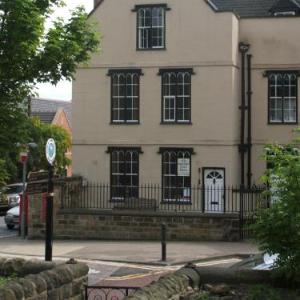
[(56, 113), (186, 93)]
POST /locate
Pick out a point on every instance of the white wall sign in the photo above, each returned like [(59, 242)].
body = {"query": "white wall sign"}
[(50, 151), (183, 167)]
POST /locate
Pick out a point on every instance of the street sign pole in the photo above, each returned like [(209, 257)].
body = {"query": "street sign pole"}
[(50, 155), (24, 158), (49, 216)]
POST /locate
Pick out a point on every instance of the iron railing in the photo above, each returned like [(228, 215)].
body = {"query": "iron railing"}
[(108, 292), (78, 195)]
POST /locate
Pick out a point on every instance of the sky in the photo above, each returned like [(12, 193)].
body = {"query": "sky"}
[(63, 90)]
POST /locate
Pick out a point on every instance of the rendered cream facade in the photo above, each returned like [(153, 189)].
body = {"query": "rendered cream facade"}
[(198, 38)]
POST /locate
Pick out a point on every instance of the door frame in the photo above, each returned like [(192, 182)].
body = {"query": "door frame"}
[(203, 185)]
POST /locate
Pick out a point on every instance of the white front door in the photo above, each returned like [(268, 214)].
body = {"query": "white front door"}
[(214, 190)]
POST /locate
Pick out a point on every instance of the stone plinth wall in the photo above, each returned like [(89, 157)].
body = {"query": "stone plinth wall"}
[(61, 282), (130, 225)]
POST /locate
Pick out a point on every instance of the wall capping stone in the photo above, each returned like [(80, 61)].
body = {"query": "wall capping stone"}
[(56, 281)]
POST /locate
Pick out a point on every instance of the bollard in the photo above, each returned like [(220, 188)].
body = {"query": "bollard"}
[(163, 242)]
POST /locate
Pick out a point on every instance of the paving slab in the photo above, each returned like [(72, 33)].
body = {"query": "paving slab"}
[(129, 251)]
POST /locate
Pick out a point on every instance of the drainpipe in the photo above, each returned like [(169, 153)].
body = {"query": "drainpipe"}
[(243, 48), (249, 138)]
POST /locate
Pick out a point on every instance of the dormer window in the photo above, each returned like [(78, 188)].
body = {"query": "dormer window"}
[(151, 26), (285, 8), (284, 13)]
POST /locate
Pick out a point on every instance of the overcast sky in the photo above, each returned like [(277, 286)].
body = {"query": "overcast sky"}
[(63, 90)]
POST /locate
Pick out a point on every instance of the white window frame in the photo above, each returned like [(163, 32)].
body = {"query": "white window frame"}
[(141, 27)]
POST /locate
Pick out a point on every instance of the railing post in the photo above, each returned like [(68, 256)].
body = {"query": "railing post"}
[(241, 211), (126, 193), (86, 296), (163, 242)]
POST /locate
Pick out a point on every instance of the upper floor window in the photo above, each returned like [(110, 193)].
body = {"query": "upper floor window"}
[(176, 95), (151, 26), (282, 105), (125, 96)]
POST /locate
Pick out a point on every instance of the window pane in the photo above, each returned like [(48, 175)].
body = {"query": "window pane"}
[(124, 174), (276, 110), (283, 97), (125, 97), (169, 108), (176, 187), (183, 97), (151, 25), (118, 96), (289, 109)]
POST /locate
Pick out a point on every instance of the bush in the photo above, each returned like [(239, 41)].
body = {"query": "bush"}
[(263, 292), (277, 229), (3, 177)]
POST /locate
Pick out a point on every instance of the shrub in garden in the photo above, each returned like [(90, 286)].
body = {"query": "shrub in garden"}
[(277, 229)]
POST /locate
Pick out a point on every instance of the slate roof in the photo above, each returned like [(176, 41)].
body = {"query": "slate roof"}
[(45, 117), (46, 108), (255, 8)]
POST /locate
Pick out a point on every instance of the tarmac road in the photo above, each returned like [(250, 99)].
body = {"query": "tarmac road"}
[(4, 231), (119, 270)]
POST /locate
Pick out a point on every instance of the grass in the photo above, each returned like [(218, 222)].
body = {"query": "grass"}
[(3, 280), (263, 292)]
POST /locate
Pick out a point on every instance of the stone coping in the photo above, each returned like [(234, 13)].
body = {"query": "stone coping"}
[(123, 212), (63, 281)]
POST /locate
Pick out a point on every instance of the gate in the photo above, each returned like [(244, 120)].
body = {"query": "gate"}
[(251, 200), (108, 292)]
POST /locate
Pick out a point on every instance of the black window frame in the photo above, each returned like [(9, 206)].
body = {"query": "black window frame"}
[(178, 199), (176, 71), (150, 6), (125, 189), (124, 72), (269, 74)]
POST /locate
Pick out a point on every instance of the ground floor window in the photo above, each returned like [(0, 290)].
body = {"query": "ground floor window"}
[(176, 174), (124, 173)]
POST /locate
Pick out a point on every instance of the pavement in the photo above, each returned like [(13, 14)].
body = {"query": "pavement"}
[(138, 252), (126, 263)]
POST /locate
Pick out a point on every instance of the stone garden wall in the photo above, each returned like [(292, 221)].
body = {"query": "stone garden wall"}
[(130, 225), (34, 280)]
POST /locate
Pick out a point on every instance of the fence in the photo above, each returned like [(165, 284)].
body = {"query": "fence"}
[(76, 195), (108, 292)]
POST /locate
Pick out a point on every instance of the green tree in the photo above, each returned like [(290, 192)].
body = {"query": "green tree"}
[(40, 133), (29, 55), (3, 178), (277, 229)]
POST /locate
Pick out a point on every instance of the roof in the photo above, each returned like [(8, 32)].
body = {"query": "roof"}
[(245, 8), (96, 4), (255, 8), (45, 117), (46, 108)]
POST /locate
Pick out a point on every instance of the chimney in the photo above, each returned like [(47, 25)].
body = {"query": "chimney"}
[(96, 2)]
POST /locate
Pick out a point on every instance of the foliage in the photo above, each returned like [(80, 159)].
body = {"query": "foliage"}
[(3, 280), (263, 292), (29, 55), (40, 133), (3, 179), (277, 229)]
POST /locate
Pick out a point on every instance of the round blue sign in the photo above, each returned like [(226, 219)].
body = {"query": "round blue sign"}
[(50, 151)]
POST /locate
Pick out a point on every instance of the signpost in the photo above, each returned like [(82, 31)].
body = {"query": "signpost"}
[(50, 155), (24, 159), (37, 182)]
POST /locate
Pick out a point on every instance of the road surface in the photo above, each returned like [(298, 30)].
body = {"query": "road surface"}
[(4, 232)]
